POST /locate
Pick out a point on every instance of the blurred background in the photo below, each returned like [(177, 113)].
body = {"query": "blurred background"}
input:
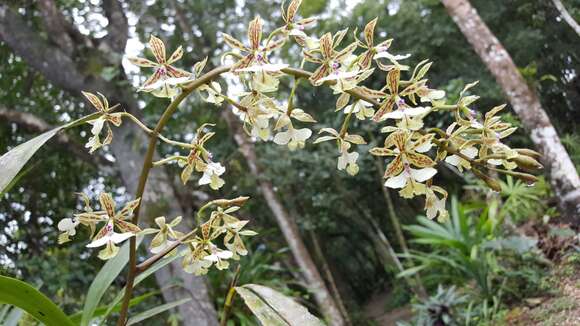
[(502, 258)]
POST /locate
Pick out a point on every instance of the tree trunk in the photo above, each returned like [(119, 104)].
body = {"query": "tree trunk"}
[(562, 173), (287, 225), (566, 16), (416, 283), (329, 277), (128, 148)]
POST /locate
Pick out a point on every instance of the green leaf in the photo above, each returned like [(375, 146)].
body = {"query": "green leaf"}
[(273, 308), (101, 310), (29, 299), (12, 162), (411, 271), (103, 280), (154, 311), (160, 264)]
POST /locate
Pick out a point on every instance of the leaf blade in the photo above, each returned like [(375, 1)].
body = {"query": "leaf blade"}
[(274, 308), (155, 311), (29, 299), (14, 160), (103, 280)]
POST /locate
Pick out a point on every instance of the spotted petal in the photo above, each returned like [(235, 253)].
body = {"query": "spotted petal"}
[(142, 62), (107, 203), (370, 31), (158, 48), (177, 54), (255, 32), (234, 43), (95, 101), (394, 168)]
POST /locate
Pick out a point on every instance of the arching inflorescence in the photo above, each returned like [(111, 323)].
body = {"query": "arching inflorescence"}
[(473, 141)]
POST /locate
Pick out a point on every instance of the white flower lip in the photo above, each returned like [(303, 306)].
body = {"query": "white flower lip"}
[(387, 55), (110, 237), (297, 135), (68, 225), (408, 112), (167, 81), (419, 175), (222, 254)]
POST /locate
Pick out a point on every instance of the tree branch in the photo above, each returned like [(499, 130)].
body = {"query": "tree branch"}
[(566, 16), (55, 25), (35, 124), (118, 28), (49, 60)]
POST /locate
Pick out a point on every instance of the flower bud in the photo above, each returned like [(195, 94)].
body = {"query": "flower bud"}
[(491, 182), (528, 152), (239, 201), (527, 162)]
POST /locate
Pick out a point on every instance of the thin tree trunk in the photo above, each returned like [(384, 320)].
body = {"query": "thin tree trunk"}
[(391, 209), (287, 225), (128, 148), (329, 278), (563, 175), (566, 16), (416, 283)]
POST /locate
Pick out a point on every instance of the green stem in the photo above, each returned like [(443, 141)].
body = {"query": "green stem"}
[(234, 103), (147, 165), (230, 298), (445, 107), (169, 159), (153, 259), (148, 161), (291, 98), (345, 123), (275, 32), (150, 132)]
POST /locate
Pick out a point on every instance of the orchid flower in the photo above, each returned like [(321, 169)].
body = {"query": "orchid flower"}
[(365, 59), (213, 90), (361, 108), (165, 235), (409, 118), (435, 206), (407, 153), (295, 28), (330, 60), (107, 235), (109, 238), (294, 138), (211, 175), (255, 59), (166, 78), (102, 106), (346, 160)]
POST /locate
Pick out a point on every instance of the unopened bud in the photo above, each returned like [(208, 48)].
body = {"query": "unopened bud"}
[(527, 162), (491, 182), (525, 177), (528, 152), (239, 201)]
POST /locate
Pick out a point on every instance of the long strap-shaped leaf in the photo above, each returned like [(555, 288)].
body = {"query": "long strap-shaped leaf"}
[(29, 299), (12, 162), (154, 311), (275, 309), (101, 310), (103, 280), (115, 303)]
